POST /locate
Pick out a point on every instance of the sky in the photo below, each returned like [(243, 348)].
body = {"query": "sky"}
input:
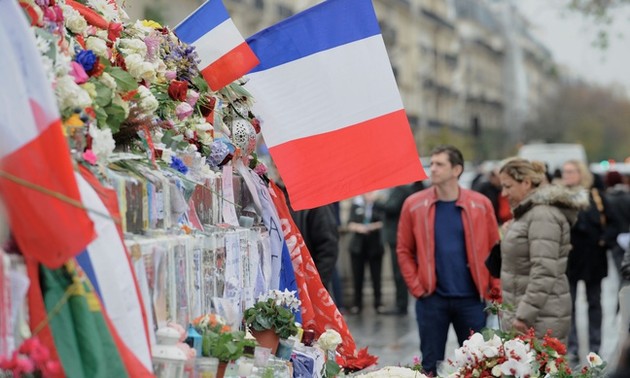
[(569, 37)]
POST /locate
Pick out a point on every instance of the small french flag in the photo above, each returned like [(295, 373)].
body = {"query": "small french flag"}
[(224, 54)]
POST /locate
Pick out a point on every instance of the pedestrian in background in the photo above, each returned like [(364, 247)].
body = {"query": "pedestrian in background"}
[(391, 206), (365, 223), (588, 261), (445, 234), (535, 250)]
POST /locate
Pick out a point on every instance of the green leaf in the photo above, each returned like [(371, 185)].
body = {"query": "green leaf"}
[(200, 83), (115, 117), (332, 369), (103, 94), (101, 117), (124, 80)]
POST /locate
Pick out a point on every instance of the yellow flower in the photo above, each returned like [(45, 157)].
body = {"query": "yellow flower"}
[(151, 24)]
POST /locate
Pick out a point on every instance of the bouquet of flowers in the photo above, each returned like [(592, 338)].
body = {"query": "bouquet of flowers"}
[(496, 354), (274, 310)]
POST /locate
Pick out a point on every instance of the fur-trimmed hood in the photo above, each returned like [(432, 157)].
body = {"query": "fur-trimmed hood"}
[(569, 201)]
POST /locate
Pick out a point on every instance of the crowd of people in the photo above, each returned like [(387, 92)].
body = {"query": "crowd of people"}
[(549, 232)]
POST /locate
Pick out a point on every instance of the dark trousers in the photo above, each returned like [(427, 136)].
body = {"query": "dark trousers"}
[(375, 261), (435, 314), (594, 299), (402, 294)]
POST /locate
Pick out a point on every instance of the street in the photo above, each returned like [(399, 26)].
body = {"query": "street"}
[(395, 340)]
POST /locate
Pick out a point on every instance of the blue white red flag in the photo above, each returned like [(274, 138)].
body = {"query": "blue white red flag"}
[(331, 112), (224, 54)]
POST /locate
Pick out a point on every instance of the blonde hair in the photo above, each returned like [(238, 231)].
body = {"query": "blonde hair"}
[(519, 169), (586, 177)]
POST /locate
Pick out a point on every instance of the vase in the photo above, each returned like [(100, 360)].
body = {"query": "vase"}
[(221, 369), (267, 338)]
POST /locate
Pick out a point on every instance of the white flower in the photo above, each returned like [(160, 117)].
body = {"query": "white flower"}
[(73, 20), (108, 80), (133, 46), (70, 94), (205, 126), (103, 143), (147, 102), (394, 372), (496, 371), (517, 369), (139, 69), (98, 46), (594, 360), (105, 8), (518, 350), (551, 367), (329, 340)]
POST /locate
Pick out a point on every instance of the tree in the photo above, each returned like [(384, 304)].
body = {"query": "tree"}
[(596, 116), (601, 12)]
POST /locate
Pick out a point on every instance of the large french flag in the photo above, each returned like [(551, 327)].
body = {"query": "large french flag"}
[(37, 181), (222, 49), (331, 112)]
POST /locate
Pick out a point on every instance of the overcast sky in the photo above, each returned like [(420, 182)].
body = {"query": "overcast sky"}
[(569, 36)]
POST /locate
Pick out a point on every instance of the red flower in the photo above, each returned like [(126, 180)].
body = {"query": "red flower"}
[(256, 123), (555, 344), (113, 31), (177, 90), (495, 294)]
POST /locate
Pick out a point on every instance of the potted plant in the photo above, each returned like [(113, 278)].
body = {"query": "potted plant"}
[(220, 341), (273, 317)]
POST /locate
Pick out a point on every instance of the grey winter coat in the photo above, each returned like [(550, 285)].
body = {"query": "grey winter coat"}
[(534, 252)]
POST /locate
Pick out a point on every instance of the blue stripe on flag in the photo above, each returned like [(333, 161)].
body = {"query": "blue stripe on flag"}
[(326, 25), (85, 262), (207, 17)]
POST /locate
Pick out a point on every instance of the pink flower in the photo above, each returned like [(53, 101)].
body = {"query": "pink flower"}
[(23, 365), (89, 156), (192, 97), (170, 75), (78, 73), (52, 369), (183, 110)]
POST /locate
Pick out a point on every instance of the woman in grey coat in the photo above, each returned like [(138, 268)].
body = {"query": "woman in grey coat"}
[(535, 248)]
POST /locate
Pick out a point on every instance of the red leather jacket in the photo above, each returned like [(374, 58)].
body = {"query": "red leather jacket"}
[(416, 242)]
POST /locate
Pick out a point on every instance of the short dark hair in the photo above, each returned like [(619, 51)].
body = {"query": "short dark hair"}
[(455, 156)]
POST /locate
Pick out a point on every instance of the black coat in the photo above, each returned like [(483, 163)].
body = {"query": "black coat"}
[(587, 259), (320, 231), (369, 244), (390, 209)]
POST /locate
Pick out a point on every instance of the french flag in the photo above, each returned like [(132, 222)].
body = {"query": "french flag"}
[(37, 183), (331, 112), (224, 54)]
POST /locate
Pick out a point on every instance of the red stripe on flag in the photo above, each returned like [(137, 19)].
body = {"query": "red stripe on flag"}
[(231, 66), (315, 169), (45, 228)]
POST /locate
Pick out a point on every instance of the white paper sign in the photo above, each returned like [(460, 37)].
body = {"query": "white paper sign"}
[(229, 211)]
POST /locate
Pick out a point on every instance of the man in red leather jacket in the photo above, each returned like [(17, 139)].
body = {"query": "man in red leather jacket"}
[(445, 234)]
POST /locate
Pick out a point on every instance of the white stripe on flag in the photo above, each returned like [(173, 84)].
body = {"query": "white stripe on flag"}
[(326, 91), (217, 42)]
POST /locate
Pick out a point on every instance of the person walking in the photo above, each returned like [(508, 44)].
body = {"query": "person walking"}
[(391, 207), (535, 249), (365, 222), (445, 234), (588, 260)]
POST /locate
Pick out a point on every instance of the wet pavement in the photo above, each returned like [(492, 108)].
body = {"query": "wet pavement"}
[(394, 339)]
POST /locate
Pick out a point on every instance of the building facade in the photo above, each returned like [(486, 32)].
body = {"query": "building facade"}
[(465, 67)]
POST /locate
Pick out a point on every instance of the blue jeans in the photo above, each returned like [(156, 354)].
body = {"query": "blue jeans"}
[(435, 314)]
